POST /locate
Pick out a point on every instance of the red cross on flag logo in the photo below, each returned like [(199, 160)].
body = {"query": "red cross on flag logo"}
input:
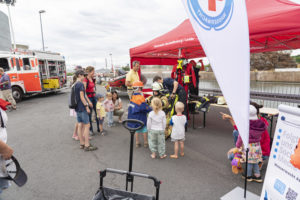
[(212, 5)]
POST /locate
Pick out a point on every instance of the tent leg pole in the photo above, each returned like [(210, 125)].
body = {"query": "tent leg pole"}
[(246, 175)]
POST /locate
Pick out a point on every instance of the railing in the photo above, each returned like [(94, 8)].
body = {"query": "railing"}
[(270, 94)]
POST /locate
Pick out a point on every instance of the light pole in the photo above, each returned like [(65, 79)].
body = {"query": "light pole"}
[(112, 66), (40, 12)]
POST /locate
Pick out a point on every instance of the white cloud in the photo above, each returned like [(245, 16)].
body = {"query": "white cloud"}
[(85, 32)]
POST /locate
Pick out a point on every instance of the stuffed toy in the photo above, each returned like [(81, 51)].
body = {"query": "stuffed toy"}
[(236, 161), (295, 158)]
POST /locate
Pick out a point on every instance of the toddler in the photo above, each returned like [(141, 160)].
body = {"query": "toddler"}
[(156, 124), (100, 112), (109, 108), (178, 123)]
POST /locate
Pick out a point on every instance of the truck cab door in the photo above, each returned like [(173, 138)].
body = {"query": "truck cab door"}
[(30, 75)]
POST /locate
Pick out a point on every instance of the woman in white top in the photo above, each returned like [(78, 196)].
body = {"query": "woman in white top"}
[(118, 111), (156, 125)]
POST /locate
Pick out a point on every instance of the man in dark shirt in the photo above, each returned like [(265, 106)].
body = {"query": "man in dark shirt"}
[(82, 111), (174, 88), (5, 87)]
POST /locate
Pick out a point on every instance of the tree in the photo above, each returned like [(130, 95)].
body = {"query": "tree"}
[(126, 68), (297, 58)]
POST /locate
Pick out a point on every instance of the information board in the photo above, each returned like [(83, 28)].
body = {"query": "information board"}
[(282, 180)]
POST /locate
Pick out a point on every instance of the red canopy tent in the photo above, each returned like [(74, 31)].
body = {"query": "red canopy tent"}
[(273, 25)]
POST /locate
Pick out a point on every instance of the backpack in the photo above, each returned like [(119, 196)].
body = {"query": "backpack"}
[(72, 98)]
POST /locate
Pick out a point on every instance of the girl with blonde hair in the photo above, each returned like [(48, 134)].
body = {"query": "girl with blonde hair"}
[(156, 125)]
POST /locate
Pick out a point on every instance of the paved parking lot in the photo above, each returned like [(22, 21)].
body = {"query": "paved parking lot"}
[(40, 132)]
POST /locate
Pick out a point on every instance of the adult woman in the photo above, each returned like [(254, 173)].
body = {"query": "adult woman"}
[(118, 106), (89, 84)]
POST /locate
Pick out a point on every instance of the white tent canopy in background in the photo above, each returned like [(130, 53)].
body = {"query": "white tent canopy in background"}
[(222, 29)]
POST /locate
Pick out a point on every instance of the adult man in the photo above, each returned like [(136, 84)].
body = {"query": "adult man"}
[(132, 76), (174, 88), (5, 87), (82, 110)]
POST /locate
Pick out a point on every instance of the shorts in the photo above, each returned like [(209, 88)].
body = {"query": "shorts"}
[(101, 121), (177, 140), (83, 117), (142, 130)]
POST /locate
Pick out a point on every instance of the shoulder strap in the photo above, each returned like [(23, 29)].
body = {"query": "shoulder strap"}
[(2, 122)]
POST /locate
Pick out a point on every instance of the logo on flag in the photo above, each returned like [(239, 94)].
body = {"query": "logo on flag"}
[(210, 14)]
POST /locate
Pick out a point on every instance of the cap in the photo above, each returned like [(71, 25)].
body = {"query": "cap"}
[(252, 113), (99, 96)]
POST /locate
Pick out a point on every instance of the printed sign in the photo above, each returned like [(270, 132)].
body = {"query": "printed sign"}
[(282, 180), (222, 29)]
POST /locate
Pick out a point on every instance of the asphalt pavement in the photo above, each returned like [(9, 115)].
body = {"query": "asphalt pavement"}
[(40, 133)]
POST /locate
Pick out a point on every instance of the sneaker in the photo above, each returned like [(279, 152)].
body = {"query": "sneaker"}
[(249, 178), (103, 133), (90, 148), (257, 179)]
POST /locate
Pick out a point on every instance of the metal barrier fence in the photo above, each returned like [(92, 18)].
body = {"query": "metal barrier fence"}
[(269, 94)]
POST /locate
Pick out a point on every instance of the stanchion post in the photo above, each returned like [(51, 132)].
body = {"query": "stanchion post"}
[(246, 174)]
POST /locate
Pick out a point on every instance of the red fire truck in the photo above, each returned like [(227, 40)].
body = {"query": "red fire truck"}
[(33, 72)]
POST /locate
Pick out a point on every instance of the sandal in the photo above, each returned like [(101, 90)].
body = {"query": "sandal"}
[(81, 146), (163, 156), (173, 156), (90, 148)]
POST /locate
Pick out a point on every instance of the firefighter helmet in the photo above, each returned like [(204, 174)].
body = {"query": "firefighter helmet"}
[(157, 86)]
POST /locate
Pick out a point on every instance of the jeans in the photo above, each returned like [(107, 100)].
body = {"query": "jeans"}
[(110, 118), (254, 167), (94, 102), (235, 134)]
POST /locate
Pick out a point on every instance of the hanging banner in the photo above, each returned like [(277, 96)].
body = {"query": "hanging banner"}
[(222, 29), (282, 180)]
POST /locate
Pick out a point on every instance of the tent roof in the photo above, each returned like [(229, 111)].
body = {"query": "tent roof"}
[(273, 25)]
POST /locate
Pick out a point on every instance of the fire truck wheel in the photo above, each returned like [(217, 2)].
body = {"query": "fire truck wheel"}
[(17, 94)]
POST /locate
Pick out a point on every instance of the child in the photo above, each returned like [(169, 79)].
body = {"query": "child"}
[(178, 123), (156, 124), (138, 109), (100, 112), (265, 137), (257, 127), (109, 108)]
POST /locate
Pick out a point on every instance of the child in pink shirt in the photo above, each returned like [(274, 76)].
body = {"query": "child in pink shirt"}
[(109, 108)]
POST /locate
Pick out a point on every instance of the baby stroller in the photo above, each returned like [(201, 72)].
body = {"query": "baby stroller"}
[(106, 193)]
